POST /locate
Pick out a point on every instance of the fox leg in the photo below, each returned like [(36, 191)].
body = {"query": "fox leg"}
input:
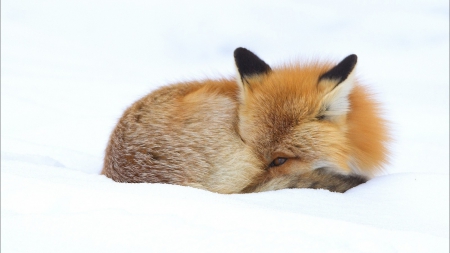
[(316, 179), (323, 179)]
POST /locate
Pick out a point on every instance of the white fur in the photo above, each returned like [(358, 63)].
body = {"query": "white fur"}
[(240, 84), (337, 101)]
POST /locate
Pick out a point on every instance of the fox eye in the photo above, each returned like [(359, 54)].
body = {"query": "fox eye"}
[(278, 161), (320, 117)]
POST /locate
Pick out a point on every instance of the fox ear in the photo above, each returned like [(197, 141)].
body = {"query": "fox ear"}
[(249, 65), (338, 83)]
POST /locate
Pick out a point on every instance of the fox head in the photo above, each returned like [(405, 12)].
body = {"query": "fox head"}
[(300, 119)]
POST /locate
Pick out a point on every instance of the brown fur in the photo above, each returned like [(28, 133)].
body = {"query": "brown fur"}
[(222, 135)]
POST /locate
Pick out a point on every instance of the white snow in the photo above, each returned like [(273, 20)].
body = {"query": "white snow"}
[(70, 68)]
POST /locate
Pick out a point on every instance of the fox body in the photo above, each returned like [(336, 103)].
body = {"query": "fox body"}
[(306, 125)]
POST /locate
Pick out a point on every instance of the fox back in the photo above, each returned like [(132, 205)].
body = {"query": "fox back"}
[(308, 125)]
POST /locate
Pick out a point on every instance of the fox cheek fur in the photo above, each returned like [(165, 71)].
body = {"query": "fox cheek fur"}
[(296, 126)]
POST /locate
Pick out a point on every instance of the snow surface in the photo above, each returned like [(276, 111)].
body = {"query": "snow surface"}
[(70, 68)]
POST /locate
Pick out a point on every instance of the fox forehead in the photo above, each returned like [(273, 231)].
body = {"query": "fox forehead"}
[(287, 96)]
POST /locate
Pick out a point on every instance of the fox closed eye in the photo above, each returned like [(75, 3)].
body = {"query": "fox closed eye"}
[(278, 161), (320, 117)]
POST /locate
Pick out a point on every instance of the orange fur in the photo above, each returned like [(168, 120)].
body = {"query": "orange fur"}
[(367, 132), (222, 135)]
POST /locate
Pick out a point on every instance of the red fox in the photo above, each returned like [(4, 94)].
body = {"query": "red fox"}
[(303, 125)]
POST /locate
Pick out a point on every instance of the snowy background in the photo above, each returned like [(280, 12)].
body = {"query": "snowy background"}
[(70, 68)]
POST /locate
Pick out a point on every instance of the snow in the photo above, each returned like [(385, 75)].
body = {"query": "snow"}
[(70, 68)]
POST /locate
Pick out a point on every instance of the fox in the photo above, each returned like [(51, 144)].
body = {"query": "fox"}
[(299, 125)]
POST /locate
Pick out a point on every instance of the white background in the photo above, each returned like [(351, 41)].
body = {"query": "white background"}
[(70, 68)]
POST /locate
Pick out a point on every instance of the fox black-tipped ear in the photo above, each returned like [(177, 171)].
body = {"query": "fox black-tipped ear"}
[(337, 84), (248, 64), (342, 70)]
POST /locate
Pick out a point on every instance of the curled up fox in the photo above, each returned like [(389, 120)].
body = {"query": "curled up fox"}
[(300, 125)]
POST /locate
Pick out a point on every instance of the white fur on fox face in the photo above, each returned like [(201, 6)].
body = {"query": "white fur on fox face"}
[(337, 101)]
